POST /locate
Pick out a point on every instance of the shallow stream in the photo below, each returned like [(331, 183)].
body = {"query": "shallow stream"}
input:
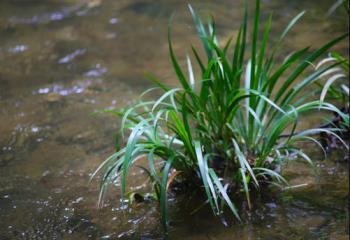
[(61, 60)]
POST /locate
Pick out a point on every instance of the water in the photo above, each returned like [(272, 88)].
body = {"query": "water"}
[(61, 60)]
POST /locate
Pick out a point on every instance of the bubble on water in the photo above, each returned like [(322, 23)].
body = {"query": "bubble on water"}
[(123, 207), (78, 200), (18, 49), (97, 71), (106, 236), (114, 209), (92, 101), (79, 90), (58, 190), (47, 172), (64, 92), (43, 90), (134, 221), (6, 148), (271, 205), (125, 234), (71, 56), (57, 90), (113, 20), (35, 129), (111, 35), (56, 16)]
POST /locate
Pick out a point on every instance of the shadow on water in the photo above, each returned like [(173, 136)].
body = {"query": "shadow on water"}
[(62, 60)]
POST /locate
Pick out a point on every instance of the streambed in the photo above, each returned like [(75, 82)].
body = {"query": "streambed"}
[(61, 60)]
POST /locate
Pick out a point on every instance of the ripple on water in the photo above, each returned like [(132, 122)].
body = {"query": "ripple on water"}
[(65, 12)]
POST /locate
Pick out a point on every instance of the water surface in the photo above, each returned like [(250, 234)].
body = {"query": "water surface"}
[(61, 60)]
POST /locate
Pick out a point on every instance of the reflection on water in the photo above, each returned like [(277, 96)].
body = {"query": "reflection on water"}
[(61, 60)]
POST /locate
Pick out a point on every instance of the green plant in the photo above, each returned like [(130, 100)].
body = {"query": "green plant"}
[(336, 87), (339, 92), (226, 128), (337, 4)]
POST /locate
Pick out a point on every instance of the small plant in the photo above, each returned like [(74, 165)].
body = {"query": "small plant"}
[(228, 129), (336, 89)]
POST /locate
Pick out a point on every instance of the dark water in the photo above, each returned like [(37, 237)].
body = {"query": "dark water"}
[(60, 60)]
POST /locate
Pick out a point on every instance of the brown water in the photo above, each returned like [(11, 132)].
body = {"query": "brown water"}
[(60, 60)]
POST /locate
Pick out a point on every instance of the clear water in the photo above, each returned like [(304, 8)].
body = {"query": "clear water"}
[(60, 60)]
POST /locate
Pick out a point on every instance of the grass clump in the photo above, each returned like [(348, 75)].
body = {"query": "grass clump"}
[(336, 86), (229, 128)]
